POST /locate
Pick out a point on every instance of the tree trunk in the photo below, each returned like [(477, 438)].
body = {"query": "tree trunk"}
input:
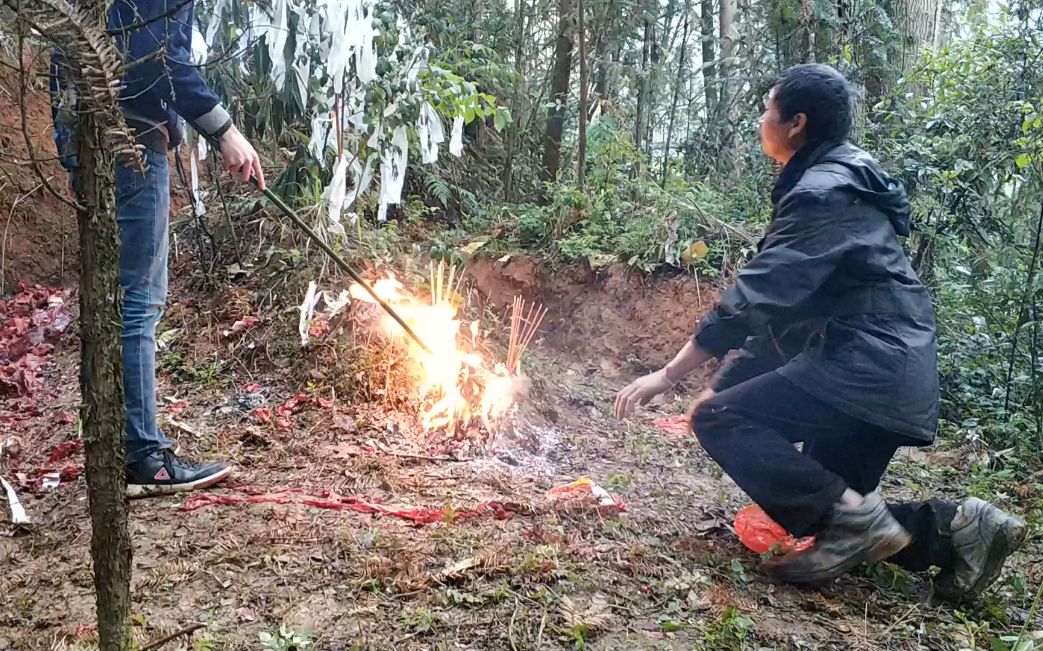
[(709, 38), (601, 55), (581, 146), (559, 91), (677, 90), (102, 410), (101, 385), (645, 77), (807, 28), (919, 25), (519, 71), (726, 100)]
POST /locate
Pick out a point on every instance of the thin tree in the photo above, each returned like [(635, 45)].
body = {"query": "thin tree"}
[(645, 77), (78, 31), (709, 46), (519, 72), (581, 147), (559, 91), (681, 60)]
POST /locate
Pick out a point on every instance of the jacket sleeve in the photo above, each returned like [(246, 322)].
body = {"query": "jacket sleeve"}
[(157, 48), (802, 248)]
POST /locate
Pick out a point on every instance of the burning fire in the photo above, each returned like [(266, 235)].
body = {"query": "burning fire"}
[(457, 388)]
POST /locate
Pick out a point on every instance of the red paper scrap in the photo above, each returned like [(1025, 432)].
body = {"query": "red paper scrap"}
[(674, 426), (761, 534)]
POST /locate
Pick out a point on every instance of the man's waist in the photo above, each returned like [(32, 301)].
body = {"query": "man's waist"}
[(153, 136)]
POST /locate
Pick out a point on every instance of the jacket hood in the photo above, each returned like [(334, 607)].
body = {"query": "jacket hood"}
[(872, 184)]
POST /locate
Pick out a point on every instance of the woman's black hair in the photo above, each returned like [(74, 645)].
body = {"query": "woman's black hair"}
[(821, 93)]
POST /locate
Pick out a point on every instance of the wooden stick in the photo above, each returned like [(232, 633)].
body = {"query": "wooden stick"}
[(188, 630), (512, 351), (431, 280)]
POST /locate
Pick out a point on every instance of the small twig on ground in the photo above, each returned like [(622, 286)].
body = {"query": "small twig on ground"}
[(510, 628), (188, 630), (539, 637), (409, 455), (901, 620)]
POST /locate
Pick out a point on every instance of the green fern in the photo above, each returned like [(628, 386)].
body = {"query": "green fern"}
[(438, 188)]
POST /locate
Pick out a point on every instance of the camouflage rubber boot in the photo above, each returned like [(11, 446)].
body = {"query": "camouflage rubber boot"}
[(983, 537), (852, 535)]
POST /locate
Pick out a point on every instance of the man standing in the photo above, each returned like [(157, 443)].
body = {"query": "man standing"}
[(836, 350), (159, 85)]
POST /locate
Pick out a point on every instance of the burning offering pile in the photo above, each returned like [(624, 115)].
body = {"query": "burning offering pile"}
[(458, 386)]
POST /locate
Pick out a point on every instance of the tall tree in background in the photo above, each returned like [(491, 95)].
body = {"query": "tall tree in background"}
[(559, 85), (725, 72), (708, 29), (920, 23), (581, 136), (519, 79), (682, 60), (644, 74)]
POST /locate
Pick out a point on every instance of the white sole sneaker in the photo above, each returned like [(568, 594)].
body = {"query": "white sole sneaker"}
[(154, 490)]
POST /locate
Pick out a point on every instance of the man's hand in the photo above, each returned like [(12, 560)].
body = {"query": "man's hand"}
[(240, 158), (640, 391), (699, 399)]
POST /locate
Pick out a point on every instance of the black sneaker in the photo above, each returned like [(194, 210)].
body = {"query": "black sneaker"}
[(853, 535), (163, 473)]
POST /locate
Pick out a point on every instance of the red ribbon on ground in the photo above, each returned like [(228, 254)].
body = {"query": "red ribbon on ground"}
[(328, 500)]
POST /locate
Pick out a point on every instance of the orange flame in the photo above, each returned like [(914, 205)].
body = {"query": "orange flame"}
[(456, 387)]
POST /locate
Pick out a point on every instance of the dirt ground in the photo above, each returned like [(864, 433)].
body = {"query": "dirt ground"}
[(499, 564), (38, 239)]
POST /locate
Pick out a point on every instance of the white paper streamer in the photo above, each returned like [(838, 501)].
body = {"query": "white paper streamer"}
[(429, 132), (18, 514), (456, 141), (307, 312), (393, 170), (335, 193)]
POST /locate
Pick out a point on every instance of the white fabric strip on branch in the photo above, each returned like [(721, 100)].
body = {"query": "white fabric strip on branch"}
[(429, 133), (456, 141), (393, 171)]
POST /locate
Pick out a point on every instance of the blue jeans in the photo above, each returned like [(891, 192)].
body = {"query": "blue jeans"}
[(143, 215)]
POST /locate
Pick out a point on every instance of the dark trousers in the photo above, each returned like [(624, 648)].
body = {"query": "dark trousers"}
[(750, 430)]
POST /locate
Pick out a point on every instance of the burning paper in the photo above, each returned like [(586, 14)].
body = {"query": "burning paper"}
[(458, 387)]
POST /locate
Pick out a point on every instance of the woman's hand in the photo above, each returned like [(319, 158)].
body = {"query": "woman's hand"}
[(640, 391)]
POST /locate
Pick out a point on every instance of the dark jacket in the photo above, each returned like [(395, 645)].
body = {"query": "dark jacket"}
[(159, 82), (831, 301)]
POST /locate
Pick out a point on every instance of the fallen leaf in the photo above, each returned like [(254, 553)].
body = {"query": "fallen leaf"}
[(242, 324), (473, 247), (262, 415), (345, 423), (696, 251), (246, 614)]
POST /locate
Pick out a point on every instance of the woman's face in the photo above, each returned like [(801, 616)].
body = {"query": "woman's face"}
[(780, 138)]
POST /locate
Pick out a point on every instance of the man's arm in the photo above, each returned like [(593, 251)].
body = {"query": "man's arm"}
[(157, 45), (801, 251)]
